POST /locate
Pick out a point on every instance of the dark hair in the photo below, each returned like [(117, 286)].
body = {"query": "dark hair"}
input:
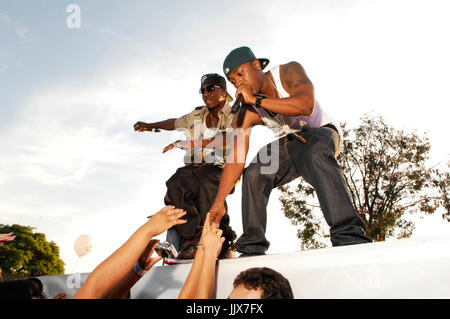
[(21, 289), (271, 282)]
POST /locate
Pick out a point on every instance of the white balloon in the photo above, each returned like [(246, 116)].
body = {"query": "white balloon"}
[(83, 245)]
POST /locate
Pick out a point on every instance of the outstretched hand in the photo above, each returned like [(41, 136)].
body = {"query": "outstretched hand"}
[(211, 239), (217, 211), (140, 126), (178, 144), (6, 237), (146, 261), (166, 218)]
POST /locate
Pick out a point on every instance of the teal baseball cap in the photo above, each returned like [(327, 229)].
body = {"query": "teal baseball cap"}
[(240, 56)]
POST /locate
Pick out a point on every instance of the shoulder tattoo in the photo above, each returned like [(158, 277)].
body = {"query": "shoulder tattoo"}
[(294, 75)]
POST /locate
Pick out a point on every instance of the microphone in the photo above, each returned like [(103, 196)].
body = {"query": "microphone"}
[(240, 107), (237, 104)]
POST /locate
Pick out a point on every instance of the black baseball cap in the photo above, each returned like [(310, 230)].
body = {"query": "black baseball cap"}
[(240, 56), (215, 79)]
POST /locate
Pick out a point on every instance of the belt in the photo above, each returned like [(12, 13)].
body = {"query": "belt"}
[(291, 136), (329, 125)]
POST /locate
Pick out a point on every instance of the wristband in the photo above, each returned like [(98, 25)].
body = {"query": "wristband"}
[(138, 270), (259, 98)]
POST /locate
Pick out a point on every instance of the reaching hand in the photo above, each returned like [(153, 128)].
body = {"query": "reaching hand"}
[(211, 238), (217, 211), (166, 218), (170, 147), (145, 260), (179, 144), (140, 126), (6, 237)]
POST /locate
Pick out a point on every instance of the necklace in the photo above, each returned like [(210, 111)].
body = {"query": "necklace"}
[(213, 126)]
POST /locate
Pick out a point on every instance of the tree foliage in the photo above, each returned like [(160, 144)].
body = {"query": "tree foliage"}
[(30, 254), (310, 229), (387, 177)]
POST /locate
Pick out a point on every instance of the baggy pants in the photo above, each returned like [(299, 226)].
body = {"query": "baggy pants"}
[(194, 189), (316, 162)]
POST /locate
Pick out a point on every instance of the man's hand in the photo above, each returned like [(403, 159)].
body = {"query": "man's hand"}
[(141, 126), (247, 93), (146, 261), (217, 211), (179, 144)]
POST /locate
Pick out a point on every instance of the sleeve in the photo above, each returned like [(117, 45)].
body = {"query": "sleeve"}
[(184, 122)]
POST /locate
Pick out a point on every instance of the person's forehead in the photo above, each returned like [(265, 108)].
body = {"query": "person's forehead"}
[(246, 66), (241, 292)]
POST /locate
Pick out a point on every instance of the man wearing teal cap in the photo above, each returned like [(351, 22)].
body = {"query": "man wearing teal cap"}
[(309, 141)]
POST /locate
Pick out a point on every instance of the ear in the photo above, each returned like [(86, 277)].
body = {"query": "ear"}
[(256, 64)]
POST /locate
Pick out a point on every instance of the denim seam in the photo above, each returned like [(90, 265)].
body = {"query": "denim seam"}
[(285, 143)]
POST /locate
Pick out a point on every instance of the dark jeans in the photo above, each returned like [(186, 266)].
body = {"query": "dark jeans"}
[(193, 188), (316, 162)]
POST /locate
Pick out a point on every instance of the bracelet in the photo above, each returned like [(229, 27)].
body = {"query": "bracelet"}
[(259, 98), (141, 272)]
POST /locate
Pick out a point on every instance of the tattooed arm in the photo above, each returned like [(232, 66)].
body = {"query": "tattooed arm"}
[(301, 100)]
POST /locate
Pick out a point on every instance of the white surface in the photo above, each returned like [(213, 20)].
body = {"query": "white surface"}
[(407, 268)]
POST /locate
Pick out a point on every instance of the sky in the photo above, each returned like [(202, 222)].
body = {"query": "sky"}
[(70, 161)]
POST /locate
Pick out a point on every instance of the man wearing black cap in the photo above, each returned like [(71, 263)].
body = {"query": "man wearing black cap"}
[(308, 145), (193, 187)]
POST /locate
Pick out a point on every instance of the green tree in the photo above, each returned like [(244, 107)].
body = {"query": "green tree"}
[(30, 254), (387, 177)]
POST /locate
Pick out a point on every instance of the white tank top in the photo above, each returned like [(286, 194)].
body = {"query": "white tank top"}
[(210, 133), (283, 125)]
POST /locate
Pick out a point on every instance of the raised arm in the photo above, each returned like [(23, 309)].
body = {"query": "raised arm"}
[(211, 245), (145, 262), (301, 98), (235, 164), (106, 276), (168, 125), (200, 281)]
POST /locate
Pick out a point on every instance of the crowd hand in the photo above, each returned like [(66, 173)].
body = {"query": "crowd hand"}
[(60, 296), (211, 239), (146, 261), (166, 218), (247, 93), (178, 144), (6, 237)]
